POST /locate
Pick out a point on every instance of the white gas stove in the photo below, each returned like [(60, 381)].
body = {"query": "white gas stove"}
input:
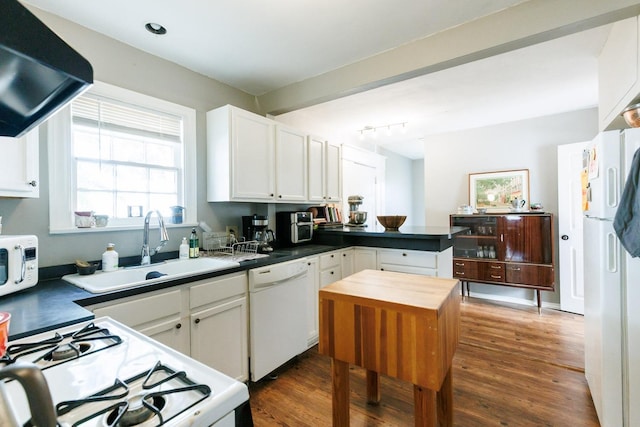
[(102, 373)]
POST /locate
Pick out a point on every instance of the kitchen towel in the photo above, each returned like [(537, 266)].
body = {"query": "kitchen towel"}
[(626, 222)]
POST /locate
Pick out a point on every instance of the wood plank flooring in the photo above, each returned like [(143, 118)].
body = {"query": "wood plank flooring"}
[(513, 367)]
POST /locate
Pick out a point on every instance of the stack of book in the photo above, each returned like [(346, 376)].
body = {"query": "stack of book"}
[(326, 216)]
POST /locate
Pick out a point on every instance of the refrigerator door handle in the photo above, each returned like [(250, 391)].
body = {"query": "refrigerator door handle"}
[(612, 253), (612, 187)]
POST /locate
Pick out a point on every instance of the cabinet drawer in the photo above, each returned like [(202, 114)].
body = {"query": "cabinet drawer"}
[(409, 269), (144, 310), (218, 289), (491, 271), (534, 275), (409, 258), (466, 270), (328, 260)]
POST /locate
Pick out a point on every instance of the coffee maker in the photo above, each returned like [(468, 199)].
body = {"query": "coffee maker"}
[(254, 227)]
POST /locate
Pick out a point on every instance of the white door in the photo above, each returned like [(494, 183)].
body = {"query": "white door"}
[(570, 247)]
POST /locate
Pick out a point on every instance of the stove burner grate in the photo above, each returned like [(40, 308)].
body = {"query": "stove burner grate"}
[(139, 408), (61, 348)]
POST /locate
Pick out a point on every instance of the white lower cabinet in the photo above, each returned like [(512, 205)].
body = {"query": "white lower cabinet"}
[(330, 268), (416, 262), (312, 301), (206, 320), (218, 319), (364, 259), (347, 261), (158, 315)]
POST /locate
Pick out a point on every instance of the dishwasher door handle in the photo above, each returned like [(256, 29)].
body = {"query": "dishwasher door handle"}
[(278, 282)]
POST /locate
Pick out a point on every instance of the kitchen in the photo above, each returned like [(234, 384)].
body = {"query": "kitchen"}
[(120, 64)]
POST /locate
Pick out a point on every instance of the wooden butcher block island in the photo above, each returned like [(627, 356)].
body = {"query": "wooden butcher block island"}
[(401, 325)]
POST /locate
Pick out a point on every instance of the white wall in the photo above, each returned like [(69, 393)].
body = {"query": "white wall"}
[(529, 144)]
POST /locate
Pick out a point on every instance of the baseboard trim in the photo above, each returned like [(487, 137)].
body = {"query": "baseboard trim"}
[(521, 301)]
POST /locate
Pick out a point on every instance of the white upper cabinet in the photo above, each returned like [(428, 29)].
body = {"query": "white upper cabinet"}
[(291, 164), (618, 73), (333, 173), (251, 158), (325, 171), (240, 156), (19, 165), (317, 169)]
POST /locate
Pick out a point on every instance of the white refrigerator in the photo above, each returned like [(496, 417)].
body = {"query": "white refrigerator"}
[(612, 286)]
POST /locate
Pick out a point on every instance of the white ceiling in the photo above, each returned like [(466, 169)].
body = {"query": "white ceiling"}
[(259, 46)]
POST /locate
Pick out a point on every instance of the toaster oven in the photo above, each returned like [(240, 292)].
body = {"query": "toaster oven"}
[(18, 263)]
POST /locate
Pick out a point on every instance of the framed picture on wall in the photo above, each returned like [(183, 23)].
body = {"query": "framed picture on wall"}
[(496, 191)]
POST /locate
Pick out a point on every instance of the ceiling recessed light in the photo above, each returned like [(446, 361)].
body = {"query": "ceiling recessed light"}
[(154, 28)]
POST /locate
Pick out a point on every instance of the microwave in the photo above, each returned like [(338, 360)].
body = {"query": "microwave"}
[(294, 227), (18, 263)]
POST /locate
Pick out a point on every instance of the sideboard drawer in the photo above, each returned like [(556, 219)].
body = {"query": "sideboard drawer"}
[(491, 271), (465, 269)]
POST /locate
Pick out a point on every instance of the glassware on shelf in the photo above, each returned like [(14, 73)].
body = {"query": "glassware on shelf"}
[(492, 252), (480, 252)]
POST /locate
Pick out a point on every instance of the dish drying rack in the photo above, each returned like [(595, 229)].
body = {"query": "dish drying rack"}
[(219, 244)]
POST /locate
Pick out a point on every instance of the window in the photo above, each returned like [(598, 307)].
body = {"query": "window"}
[(121, 154)]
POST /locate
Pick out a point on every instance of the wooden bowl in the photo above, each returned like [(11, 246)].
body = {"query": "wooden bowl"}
[(391, 222)]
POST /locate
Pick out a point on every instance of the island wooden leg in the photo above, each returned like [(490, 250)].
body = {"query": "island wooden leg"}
[(434, 409), (425, 411), (373, 387), (340, 382)]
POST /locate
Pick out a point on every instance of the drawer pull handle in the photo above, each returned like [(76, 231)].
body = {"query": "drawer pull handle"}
[(496, 277), (460, 264), (179, 325), (197, 321), (459, 273), (403, 254), (515, 269), (496, 267)]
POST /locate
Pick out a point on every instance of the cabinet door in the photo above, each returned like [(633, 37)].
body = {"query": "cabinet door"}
[(334, 173), (19, 166), (533, 275), (316, 166), (312, 301), (172, 333), (158, 316), (347, 262), (364, 259), (219, 338), (291, 164), (252, 156), (527, 238)]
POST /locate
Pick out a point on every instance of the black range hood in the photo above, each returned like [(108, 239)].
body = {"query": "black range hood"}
[(39, 72)]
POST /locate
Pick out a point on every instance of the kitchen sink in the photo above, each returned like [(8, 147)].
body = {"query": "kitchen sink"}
[(130, 277)]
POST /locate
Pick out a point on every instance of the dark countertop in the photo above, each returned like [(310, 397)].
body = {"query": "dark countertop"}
[(54, 303), (436, 239)]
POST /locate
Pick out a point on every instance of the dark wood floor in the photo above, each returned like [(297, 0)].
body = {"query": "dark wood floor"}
[(513, 367)]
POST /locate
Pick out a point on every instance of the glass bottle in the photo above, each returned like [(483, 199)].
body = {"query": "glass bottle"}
[(194, 245)]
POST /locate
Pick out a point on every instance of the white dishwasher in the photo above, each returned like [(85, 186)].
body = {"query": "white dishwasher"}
[(277, 325)]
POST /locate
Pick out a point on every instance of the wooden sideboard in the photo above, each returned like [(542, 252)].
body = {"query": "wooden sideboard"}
[(515, 249)]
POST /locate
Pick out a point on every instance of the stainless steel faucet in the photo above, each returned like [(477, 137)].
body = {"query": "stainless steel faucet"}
[(164, 238)]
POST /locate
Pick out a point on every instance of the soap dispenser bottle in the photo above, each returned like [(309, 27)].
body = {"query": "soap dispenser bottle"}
[(184, 249), (110, 258)]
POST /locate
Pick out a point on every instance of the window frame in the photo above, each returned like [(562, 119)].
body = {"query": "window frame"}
[(60, 162)]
